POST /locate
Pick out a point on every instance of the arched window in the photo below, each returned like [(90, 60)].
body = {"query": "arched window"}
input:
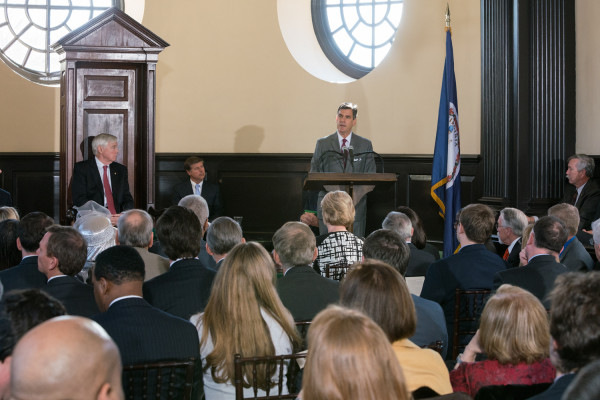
[(29, 27), (356, 35)]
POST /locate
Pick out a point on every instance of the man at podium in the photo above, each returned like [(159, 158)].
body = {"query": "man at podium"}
[(344, 151)]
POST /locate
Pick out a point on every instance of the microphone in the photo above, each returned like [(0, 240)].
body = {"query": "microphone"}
[(345, 152), (351, 155)]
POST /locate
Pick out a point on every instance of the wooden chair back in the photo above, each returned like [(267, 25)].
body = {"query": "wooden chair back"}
[(467, 310)]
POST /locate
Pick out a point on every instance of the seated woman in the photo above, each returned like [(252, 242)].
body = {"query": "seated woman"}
[(338, 247), (514, 334), (379, 291), (349, 358), (244, 315)]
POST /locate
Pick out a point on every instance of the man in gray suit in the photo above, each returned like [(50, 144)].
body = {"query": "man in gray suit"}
[(573, 255), (344, 151)]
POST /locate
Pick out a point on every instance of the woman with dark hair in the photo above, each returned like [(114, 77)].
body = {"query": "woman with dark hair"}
[(10, 255), (419, 238), (379, 291), (244, 315)]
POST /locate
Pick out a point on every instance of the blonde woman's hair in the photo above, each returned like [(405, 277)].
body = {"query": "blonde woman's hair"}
[(243, 285), (514, 327), (349, 357), (338, 209), (7, 212)]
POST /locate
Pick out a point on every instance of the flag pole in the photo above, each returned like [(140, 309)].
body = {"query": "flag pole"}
[(448, 29)]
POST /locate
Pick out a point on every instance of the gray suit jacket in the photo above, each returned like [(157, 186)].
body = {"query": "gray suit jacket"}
[(576, 258), (155, 264)]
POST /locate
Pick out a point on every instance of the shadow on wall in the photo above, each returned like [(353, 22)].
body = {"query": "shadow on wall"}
[(248, 139)]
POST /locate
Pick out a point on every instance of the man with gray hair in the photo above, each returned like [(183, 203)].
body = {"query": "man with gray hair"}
[(135, 230), (583, 192), (511, 223), (302, 290), (419, 260), (573, 255), (200, 207), (596, 230), (222, 236)]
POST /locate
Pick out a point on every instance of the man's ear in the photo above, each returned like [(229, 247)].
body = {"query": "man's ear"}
[(151, 240), (104, 286), (19, 244), (315, 254), (107, 392), (117, 238), (243, 240), (276, 258), (209, 251)]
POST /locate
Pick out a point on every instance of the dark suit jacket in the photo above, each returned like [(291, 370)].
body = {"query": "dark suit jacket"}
[(431, 325), (304, 292), (87, 185), (576, 258), (587, 204), (183, 290), (513, 256), (146, 334), (210, 192), (25, 275), (557, 389), (76, 296), (419, 261), (5, 198), (537, 276)]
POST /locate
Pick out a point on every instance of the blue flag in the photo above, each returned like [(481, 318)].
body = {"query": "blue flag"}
[(445, 176)]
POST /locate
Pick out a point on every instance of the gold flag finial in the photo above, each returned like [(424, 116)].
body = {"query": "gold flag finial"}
[(447, 17)]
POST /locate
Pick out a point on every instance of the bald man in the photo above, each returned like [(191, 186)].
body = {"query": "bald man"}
[(66, 358)]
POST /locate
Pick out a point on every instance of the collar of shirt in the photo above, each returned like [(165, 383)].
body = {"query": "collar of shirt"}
[(123, 298), (579, 189), (194, 186), (348, 138), (56, 276), (182, 258), (512, 245)]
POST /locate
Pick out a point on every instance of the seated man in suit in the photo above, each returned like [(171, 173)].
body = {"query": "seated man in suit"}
[(473, 267), (61, 256), (184, 289), (134, 228), (25, 275), (573, 255), (91, 178), (545, 242), (387, 246), (302, 290), (583, 192), (142, 333), (419, 260), (194, 166), (574, 327), (222, 236), (66, 358), (200, 207), (511, 223)]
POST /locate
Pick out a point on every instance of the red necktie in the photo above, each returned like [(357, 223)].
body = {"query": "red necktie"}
[(110, 203), (505, 256)]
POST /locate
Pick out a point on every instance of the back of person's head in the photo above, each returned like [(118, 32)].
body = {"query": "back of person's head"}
[(242, 287), (379, 291), (337, 208), (568, 214), (350, 358), (550, 233), (478, 221), (586, 385), (179, 232), (119, 264), (349, 106), (584, 162), (223, 234), (514, 219), (187, 164), (66, 358), (198, 205), (295, 244), (7, 212), (387, 246), (102, 140), (514, 327), (69, 248), (98, 232), (135, 228), (28, 308), (526, 233), (10, 255), (399, 223), (419, 238), (32, 228), (575, 320)]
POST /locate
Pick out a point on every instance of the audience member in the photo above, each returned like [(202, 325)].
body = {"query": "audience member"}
[(8, 212), (184, 289), (586, 385), (61, 256), (545, 242), (573, 255), (142, 333), (134, 228), (244, 315), (198, 185), (350, 358), (583, 192), (511, 223), (596, 230), (473, 267), (419, 260), (222, 236), (25, 275), (419, 237), (66, 358), (574, 328), (200, 207), (379, 291), (387, 246), (99, 234), (338, 246), (302, 291), (10, 255), (514, 336)]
